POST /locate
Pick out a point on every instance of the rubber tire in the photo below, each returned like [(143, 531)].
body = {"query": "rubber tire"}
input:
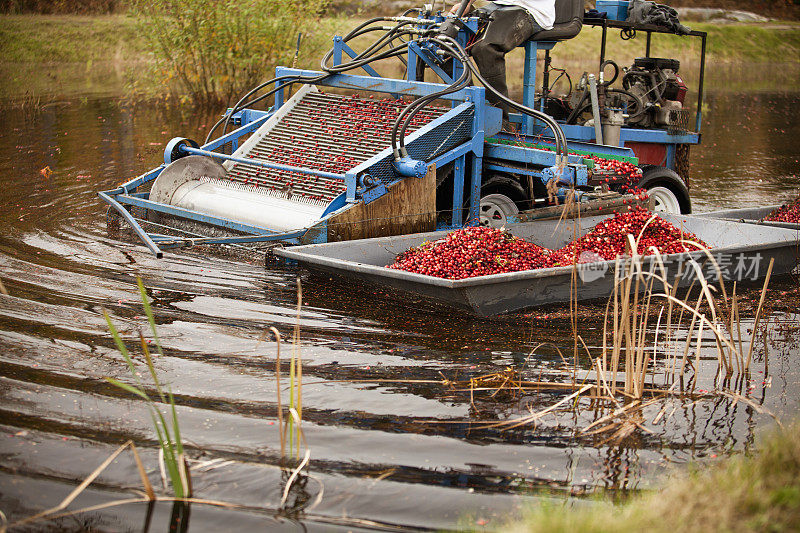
[(503, 186), (494, 208), (664, 200), (663, 178)]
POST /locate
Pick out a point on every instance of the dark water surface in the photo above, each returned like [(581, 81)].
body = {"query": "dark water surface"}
[(390, 446)]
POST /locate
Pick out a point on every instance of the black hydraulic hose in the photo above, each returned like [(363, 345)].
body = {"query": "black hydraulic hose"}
[(362, 59), (391, 52), (366, 56), (377, 45), (364, 25), (616, 71), (411, 111), (558, 134), (415, 107), (308, 79), (362, 29), (396, 51), (417, 104)]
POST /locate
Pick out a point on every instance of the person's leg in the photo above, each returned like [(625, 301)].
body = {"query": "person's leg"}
[(508, 28)]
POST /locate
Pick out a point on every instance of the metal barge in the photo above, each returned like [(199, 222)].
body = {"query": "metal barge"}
[(742, 252)]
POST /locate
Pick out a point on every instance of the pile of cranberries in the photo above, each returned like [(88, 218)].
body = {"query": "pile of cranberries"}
[(623, 174), (786, 213), (471, 252), (608, 239), (481, 251)]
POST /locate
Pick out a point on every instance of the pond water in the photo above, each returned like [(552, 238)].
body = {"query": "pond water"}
[(392, 446)]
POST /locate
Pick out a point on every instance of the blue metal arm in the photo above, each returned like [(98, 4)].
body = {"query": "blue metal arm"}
[(135, 225)]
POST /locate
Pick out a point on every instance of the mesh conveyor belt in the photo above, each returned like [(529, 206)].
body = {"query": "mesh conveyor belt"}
[(327, 132)]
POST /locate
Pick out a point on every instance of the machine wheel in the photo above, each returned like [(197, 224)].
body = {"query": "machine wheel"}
[(494, 210), (664, 200), (501, 196), (667, 189)]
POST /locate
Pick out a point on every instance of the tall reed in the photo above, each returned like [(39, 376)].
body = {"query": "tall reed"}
[(167, 432), (290, 424), (644, 295)]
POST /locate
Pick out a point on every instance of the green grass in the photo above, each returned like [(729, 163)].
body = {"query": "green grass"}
[(168, 432), (732, 42), (754, 42), (759, 493), (69, 39), (39, 54), (75, 38)]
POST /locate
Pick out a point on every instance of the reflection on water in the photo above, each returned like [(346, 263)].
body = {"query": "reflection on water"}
[(748, 156), (390, 443)]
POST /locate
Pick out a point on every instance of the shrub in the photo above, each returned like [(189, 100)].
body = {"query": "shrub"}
[(74, 7), (211, 52)]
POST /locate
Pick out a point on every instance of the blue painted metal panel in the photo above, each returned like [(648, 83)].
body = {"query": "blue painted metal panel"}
[(317, 234), (411, 69), (458, 190), (337, 203), (475, 191), (351, 181), (670, 162), (374, 193), (338, 51), (522, 154), (529, 84), (401, 87), (280, 96), (585, 133)]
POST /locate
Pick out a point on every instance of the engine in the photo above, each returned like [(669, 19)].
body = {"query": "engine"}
[(659, 90)]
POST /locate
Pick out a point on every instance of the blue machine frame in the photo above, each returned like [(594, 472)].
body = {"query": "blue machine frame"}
[(250, 120), (467, 158)]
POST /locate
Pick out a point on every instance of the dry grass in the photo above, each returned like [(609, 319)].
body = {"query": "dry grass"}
[(653, 337), (759, 493)]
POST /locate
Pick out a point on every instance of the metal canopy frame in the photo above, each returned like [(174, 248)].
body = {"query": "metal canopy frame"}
[(650, 29), (582, 134)]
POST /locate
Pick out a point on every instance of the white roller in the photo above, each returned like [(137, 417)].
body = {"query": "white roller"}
[(246, 205)]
